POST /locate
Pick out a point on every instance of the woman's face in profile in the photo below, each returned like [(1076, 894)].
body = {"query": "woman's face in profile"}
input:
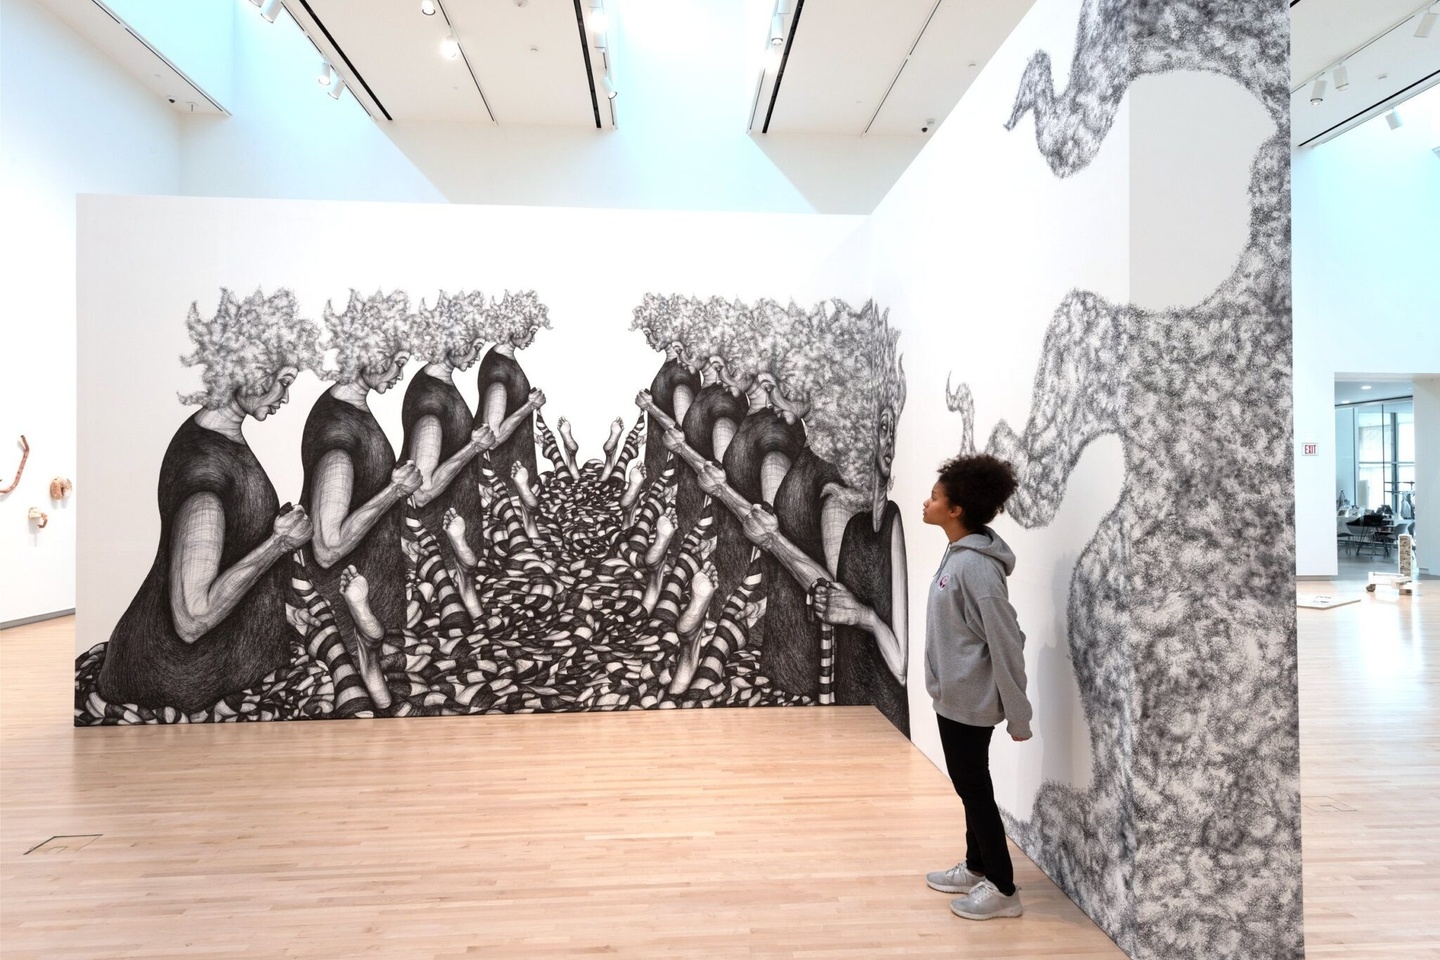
[(262, 405), (467, 357), (384, 379), (885, 443)]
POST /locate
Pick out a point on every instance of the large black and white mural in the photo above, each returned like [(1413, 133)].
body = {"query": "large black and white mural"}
[(1186, 841), (730, 542)]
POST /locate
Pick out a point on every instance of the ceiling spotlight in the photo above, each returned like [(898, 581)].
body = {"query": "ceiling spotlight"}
[(1317, 92), (1393, 118), (427, 7), (337, 86), (598, 21), (1428, 21), (608, 86), (327, 75), (269, 9), (450, 46), (777, 30), (1342, 77)]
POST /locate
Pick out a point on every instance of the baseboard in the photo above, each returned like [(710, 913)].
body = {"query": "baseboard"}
[(7, 624), (1313, 576)]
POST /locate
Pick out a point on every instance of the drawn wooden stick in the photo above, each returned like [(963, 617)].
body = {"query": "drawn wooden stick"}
[(762, 529), (25, 455)]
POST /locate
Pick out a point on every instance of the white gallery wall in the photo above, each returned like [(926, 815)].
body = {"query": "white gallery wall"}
[(143, 261), (1367, 295), (972, 291), (70, 122)]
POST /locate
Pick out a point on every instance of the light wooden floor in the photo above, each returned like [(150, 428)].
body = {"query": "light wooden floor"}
[(714, 834), (1370, 771)]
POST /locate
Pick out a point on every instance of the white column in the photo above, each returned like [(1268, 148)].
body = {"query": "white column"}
[(1427, 471)]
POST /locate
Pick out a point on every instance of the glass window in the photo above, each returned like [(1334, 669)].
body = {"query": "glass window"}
[(1384, 454)]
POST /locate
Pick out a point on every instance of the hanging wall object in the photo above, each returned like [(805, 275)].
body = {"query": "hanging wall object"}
[(24, 455), (60, 488), (39, 517)]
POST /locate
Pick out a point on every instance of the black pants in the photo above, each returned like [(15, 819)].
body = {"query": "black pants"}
[(967, 758)]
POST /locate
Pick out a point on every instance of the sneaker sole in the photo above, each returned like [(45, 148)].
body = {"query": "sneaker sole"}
[(1007, 912), (943, 888)]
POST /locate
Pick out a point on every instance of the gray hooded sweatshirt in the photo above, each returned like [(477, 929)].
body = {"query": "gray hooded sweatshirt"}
[(974, 649)]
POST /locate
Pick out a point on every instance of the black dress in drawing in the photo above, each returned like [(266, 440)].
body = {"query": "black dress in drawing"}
[(866, 568), (791, 655), (711, 405), (146, 661), (431, 396), (760, 434), (519, 447), (662, 391), (337, 425)]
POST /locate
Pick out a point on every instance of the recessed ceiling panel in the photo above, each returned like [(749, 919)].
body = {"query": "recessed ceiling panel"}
[(529, 59), (395, 49), (1323, 31), (134, 54), (960, 39), (842, 57), (1397, 65)]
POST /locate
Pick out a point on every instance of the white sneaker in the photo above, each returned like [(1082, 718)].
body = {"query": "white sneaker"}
[(985, 901), (958, 879)]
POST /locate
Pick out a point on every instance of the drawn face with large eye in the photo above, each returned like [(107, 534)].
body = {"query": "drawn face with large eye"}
[(386, 377), (466, 358), (261, 405), (761, 389), (793, 397), (885, 443), (737, 382)]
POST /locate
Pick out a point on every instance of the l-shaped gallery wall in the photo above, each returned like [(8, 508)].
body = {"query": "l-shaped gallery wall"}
[(1063, 277)]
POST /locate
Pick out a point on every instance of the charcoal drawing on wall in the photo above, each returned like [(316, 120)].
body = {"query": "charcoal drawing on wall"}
[(1186, 841), (748, 556)]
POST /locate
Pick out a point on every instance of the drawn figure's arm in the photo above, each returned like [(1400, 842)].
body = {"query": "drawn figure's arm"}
[(337, 530), (493, 403), (426, 456), (201, 594), (835, 604), (512, 423)]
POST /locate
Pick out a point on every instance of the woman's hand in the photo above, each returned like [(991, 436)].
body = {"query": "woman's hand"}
[(643, 399), (710, 478), (293, 528), (760, 525), (836, 605), (406, 478), (536, 400), (673, 439), (482, 438)]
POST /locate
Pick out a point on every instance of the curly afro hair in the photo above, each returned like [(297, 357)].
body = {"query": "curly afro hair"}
[(979, 485), (368, 334), (246, 344)]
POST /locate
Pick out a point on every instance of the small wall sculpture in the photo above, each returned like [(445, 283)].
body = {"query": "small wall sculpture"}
[(60, 488), (20, 470)]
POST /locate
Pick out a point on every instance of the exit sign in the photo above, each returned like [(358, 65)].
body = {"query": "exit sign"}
[(1310, 449)]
